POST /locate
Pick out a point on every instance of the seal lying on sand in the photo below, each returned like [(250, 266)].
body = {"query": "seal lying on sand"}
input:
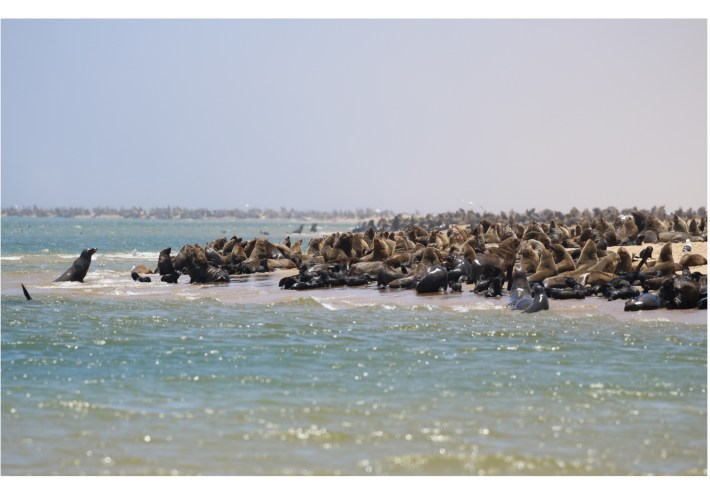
[(434, 280), (678, 293), (645, 301), (79, 268)]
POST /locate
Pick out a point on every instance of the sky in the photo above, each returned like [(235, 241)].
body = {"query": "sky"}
[(407, 115)]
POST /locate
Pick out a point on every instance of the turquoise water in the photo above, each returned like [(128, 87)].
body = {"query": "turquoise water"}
[(112, 377)]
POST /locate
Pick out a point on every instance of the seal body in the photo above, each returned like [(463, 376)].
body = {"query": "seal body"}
[(519, 288), (165, 262), (137, 277), (679, 294), (434, 280), (645, 301), (540, 301), (79, 268), (523, 300)]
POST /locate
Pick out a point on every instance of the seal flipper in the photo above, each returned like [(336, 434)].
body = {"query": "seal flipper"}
[(27, 294)]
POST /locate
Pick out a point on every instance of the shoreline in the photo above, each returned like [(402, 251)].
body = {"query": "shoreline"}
[(459, 216), (263, 289)]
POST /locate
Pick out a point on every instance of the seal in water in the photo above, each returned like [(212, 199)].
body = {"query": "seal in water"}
[(137, 277), (540, 301), (170, 278), (79, 268), (520, 288)]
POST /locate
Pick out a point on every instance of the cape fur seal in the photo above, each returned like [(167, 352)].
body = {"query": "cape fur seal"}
[(137, 277), (665, 265), (79, 268), (520, 288), (165, 262), (434, 280), (645, 301), (540, 301), (563, 259), (200, 270), (545, 269)]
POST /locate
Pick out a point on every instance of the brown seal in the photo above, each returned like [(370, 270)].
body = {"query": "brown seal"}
[(545, 269), (529, 260), (563, 260), (626, 264), (588, 257), (664, 265), (690, 260)]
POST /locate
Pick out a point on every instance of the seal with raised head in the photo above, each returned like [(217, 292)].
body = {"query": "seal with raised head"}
[(79, 268), (665, 265), (165, 262), (519, 288), (200, 270), (540, 301), (563, 259), (546, 269)]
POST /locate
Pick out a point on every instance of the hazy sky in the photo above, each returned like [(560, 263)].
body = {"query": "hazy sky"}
[(427, 115)]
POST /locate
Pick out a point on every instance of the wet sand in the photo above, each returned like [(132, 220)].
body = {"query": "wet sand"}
[(262, 288)]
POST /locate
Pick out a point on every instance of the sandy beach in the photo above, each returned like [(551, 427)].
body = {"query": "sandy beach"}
[(677, 247)]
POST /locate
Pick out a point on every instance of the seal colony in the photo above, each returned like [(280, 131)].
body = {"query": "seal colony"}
[(532, 259)]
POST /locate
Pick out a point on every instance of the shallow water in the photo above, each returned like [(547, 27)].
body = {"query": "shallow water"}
[(114, 377)]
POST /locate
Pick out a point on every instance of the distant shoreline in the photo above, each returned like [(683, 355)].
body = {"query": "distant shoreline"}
[(179, 213), (460, 216)]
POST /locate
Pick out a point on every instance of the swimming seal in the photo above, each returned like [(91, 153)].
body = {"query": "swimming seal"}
[(79, 268)]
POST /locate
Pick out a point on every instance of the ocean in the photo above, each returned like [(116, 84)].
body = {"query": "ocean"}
[(115, 377)]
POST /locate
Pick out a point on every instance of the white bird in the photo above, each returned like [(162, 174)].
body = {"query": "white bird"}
[(686, 247)]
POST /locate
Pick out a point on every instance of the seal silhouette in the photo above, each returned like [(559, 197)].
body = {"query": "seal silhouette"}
[(79, 268), (165, 262)]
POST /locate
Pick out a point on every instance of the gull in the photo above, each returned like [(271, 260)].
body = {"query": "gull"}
[(686, 247)]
